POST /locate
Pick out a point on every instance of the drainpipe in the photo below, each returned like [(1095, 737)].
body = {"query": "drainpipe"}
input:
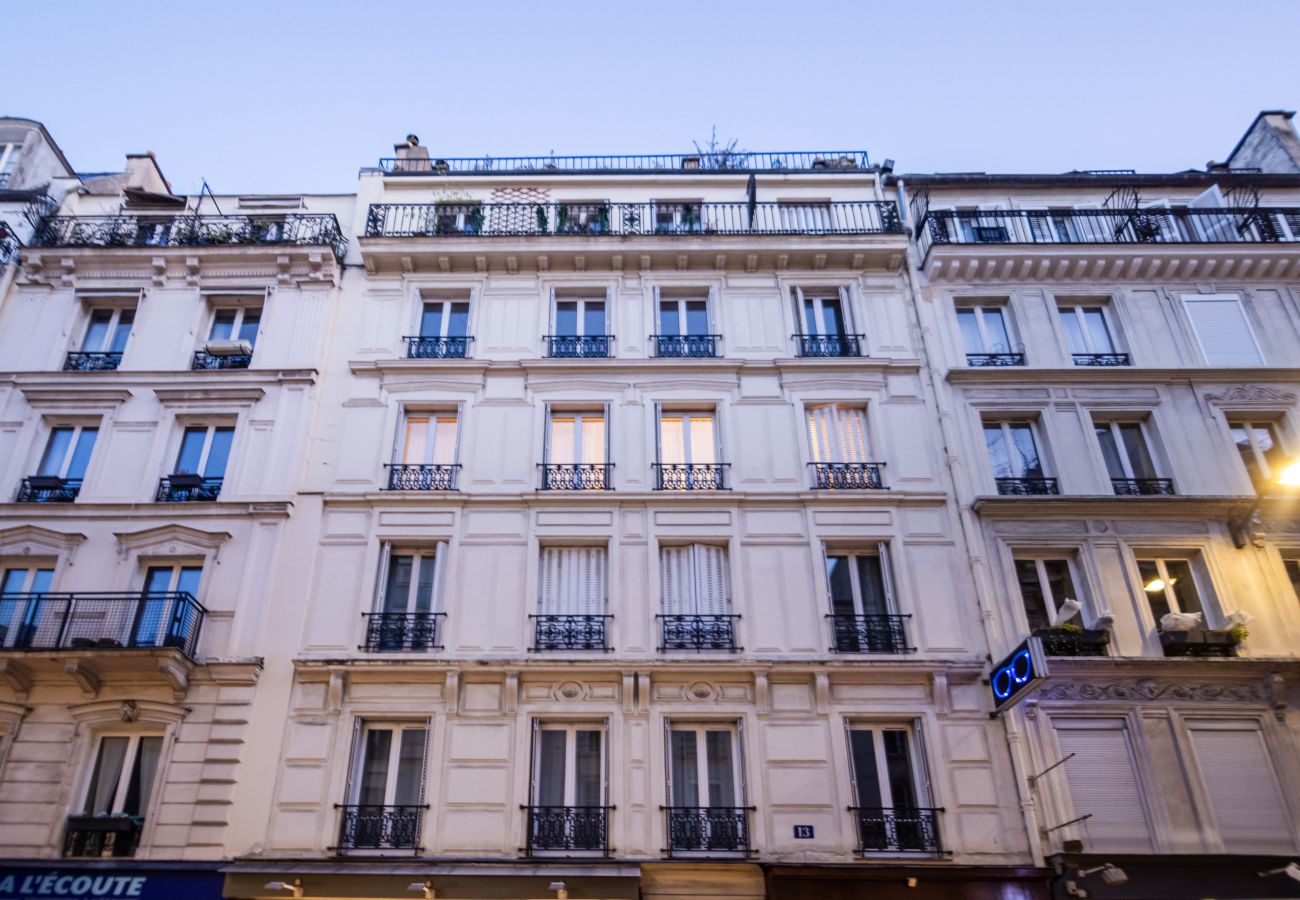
[(969, 539)]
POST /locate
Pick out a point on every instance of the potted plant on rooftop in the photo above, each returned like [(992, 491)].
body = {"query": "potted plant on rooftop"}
[(1185, 634)]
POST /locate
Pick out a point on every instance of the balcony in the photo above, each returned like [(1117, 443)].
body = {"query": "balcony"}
[(1027, 487), (406, 477), (685, 346), (204, 361), (691, 476), (1073, 641), (296, 229), (404, 220), (852, 476), (716, 829), (698, 632), (84, 361), (1199, 642), (802, 161), (102, 837), (1101, 360), (580, 828), (994, 360), (94, 620), (570, 346), (391, 632), (897, 830), (48, 489), (570, 632), (420, 347), (869, 634), (817, 346), (1143, 487), (185, 487), (577, 476), (363, 827)]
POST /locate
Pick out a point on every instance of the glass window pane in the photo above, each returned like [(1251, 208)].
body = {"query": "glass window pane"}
[(1139, 457), (397, 590), (1022, 436), (372, 788), (998, 455), (811, 322), (41, 581), (223, 325), (970, 331), (722, 780), (898, 767), (56, 450), (218, 453), (1098, 334), (668, 318), (593, 318), (566, 318), (672, 440), (871, 580), (563, 431), (1153, 585), (1059, 581), (97, 332), (191, 450), (431, 320), (1031, 594), (248, 328), (589, 778), (1073, 332), (685, 769), (832, 319), (444, 441), (702, 449), (106, 775), (458, 324), (158, 579), (1292, 565), (122, 331), (1266, 440), (415, 450), (81, 453), (865, 774), (593, 440), (188, 580), (841, 580), (995, 328), (15, 581), (1109, 451), (697, 317), (410, 767), (1183, 585), (550, 768), (143, 772), (424, 585)]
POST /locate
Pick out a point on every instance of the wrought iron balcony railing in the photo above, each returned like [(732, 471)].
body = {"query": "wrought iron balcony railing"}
[(205, 360), (394, 631), (629, 219), (102, 836), (366, 827), (300, 229), (1143, 487), (48, 489), (821, 161), (408, 477), (421, 347), (182, 487), (847, 476), (572, 346), (86, 361), (570, 632), (577, 476), (897, 830), (703, 632), (685, 346), (95, 620), (869, 634), (1262, 225), (568, 828), (1102, 360), (1019, 487), (691, 476), (829, 345), (723, 829), (987, 360)]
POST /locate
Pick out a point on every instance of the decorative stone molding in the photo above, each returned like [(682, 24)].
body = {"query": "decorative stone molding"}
[(110, 712), (18, 677), (1250, 394), (82, 400), (32, 540), (1148, 690), (173, 540)]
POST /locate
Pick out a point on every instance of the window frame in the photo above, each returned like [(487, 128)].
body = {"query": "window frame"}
[(579, 413), (10, 158), (448, 302), (561, 548), (686, 412), (1113, 424), (701, 728), (116, 311), (980, 307), (211, 426), (1053, 604), (919, 765), (570, 727), (437, 553), (134, 738), (1005, 423), (1075, 307), (809, 408), (851, 554), (1199, 569), (357, 765), (78, 430), (241, 310), (1249, 421), (579, 297), (818, 295), (433, 415), (725, 568)]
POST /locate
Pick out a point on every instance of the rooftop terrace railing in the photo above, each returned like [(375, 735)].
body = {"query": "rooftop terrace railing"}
[(1151, 225), (142, 230), (820, 161), (595, 219)]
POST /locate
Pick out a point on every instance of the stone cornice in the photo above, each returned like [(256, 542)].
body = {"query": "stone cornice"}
[(593, 369), (1097, 376), (1066, 506)]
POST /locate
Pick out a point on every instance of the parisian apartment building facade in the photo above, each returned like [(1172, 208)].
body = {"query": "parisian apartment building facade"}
[(650, 526)]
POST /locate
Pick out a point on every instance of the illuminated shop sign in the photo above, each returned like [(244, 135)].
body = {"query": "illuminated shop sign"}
[(108, 883), (1022, 669)]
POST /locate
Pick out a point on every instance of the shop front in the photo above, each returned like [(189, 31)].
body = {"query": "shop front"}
[(109, 879)]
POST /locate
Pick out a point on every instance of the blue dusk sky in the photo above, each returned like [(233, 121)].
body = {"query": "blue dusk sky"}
[(286, 96)]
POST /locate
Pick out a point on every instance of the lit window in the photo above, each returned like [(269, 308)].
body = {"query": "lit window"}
[(1260, 448), (1045, 584)]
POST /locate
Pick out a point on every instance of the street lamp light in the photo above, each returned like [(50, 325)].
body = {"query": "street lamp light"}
[(1243, 529)]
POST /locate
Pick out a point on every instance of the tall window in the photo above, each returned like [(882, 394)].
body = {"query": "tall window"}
[(444, 319), (407, 597), (429, 438), (67, 452), (984, 329), (165, 619), (1013, 452), (570, 765), (683, 316), (1222, 329), (862, 604), (19, 611), (1260, 448), (838, 433), (205, 450), (237, 323), (821, 312), (123, 775), (695, 580), (408, 581), (889, 801), (1087, 331), (386, 790), (108, 329), (576, 438), (703, 766), (1127, 454), (687, 438), (580, 316), (1170, 586), (1101, 773), (1045, 584)]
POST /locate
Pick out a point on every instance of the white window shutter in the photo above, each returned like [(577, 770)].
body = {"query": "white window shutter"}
[(589, 588), (424, 760), (887, 576), (710, 580), (819, 433), (553, 587), (1104, 783), (440, 560), (678, 586), (381, 580), (1222, 329), (1242, 787)]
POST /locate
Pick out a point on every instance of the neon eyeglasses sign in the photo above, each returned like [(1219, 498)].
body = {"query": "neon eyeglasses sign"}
[(1021, 670)]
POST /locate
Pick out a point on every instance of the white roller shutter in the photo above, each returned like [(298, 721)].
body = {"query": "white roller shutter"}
[(1242, 787), (1103, 781), (1222, 329), (675, 565), (573, 581)]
